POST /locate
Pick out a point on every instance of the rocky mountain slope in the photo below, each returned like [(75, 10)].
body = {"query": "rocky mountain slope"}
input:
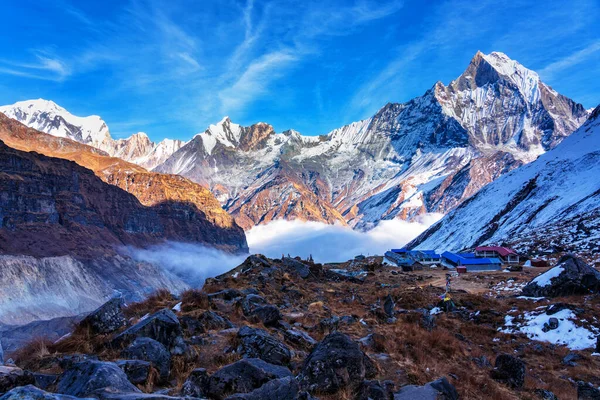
[(189, 211), (550, 205), (48, 117), (326, 335), (426, 155)]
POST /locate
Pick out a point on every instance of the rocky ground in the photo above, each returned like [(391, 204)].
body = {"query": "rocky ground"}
[(290, 329)]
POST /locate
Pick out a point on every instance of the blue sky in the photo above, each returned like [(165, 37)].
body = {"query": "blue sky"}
[(172, 68)]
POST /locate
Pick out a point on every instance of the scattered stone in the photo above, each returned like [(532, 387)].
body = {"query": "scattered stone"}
[(162, 326), (336, 362), (257, 343), (11, 377), (92, 378), (374, 341), (44, 381), (137, 371), (509, 370), (375, 390), (207, 321), (68, 361), (439, 389), (226, 294), (30, 392), (269, 315), (482, 362), (107, 318), (150, 350), (243, 376), (195, 383), (571, 358), (586, 391), (389, 305), (427, 320), (278, 389), (299, 338), (569, 277), (554, 308), (545, 394), (341, 275), (251, 302)]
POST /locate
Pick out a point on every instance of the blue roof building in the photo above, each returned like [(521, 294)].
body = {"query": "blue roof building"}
[(470, 261)]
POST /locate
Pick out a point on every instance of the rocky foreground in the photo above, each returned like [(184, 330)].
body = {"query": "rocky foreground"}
[(291, 329)]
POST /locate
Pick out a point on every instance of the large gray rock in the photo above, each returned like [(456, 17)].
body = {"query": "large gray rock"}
[(439, 389), (11, 377), (162, 326), (107, 318), (243, 376), (30, 392), (569, 277), (269, 315), (278, 389), (257, 343), (93, 378), (299, 338), (335, 363), (150, 350), (296, 266)]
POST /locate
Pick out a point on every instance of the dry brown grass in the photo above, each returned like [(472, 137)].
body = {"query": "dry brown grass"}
[(160, 299)]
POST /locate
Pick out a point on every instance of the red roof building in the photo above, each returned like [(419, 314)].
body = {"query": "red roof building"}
[(507, 255)]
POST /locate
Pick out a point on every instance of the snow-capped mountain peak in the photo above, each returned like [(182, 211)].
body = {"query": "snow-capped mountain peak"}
[(49, 117)]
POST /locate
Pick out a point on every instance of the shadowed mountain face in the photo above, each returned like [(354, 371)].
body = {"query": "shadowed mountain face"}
[(172, 207)]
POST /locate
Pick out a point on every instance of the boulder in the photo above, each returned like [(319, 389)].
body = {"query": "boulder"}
[(162, 326), (303, 270), (226, 294), (509, 370), (375, 390), (11, 377), (257, 343), (569, 277), (150, 350), (251, 302), (269, 315), (243, 376), (137, 371), (107, 318), (335, 363), (586, 391), (439, 389), (299, 338), (30, 392), (92, 378), (278, 389), (195, 384), (211, 321)]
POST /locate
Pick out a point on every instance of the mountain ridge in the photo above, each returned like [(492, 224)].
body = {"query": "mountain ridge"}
[(408, 159)]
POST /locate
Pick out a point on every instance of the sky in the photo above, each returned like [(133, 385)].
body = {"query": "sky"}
[(172, 68)]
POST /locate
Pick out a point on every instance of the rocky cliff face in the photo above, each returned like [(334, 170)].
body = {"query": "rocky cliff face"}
[(551, 205), (46, 116), (426, 155), (171, 208)]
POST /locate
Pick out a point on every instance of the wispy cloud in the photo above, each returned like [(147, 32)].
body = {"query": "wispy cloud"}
[(44, 67), (571, 60)]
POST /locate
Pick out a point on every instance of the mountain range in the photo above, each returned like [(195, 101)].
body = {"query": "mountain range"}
[(551, 205), (426, 155)]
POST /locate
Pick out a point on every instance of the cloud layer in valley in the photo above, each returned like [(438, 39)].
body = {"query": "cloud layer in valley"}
[(326, 243), (330, 243)]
